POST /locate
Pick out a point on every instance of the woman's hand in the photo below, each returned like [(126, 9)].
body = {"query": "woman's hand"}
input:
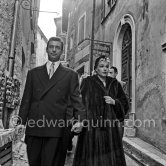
[(109, 100)]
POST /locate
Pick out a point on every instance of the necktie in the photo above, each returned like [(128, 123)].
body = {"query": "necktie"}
[(51, 71)]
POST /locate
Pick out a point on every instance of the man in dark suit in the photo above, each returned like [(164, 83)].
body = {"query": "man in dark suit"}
[(113, 72), (44, 105)]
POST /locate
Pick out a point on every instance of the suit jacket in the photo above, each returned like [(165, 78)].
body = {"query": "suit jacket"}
[(44, 103)]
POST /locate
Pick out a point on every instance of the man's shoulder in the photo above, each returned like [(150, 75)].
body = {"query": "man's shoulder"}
[(111, 80), (122, 83), (67, 69), (36, 68)]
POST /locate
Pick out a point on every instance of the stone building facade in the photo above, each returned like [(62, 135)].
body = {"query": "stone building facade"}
[(137, 31), (6, 19), (79, 15), (25, 35), (60, 33), (18, 29)]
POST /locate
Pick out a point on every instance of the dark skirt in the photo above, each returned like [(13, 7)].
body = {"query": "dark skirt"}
[(99, 146)]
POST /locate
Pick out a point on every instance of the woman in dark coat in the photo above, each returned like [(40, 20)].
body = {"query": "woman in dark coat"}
[(100, 143)]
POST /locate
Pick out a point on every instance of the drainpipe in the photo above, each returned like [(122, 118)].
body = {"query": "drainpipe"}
[(6, 111), (67, 38), (12, 47), (92, 37)]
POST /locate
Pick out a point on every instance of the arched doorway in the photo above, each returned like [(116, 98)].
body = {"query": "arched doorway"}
[(124, 56), (126, 61)]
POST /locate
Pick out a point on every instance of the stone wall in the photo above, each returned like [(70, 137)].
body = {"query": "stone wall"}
[(6, 22), (26, 38)]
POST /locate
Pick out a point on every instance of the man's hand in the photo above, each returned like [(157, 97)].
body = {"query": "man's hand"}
[(20, 129), (77, 127)]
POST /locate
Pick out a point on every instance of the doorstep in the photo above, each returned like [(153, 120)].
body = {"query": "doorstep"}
[(143, 152)]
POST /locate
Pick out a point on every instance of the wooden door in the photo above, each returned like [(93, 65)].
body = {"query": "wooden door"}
[(127, 61)]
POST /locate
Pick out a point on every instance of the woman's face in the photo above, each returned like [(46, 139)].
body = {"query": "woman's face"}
[(102, 68)]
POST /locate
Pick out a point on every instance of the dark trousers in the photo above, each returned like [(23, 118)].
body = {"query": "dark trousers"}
[(45, 151), (70, 142)]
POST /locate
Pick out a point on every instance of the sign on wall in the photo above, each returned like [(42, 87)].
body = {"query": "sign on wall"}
[(102, 49)]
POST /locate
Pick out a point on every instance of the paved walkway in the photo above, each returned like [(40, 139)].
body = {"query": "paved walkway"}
[(20, 157)]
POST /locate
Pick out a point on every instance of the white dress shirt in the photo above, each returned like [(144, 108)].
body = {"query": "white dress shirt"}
[(48, 65)]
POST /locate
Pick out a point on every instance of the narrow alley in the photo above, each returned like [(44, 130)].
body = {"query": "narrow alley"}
[(104, 58)]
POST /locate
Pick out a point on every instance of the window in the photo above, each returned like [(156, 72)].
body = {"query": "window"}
[(81, 29)]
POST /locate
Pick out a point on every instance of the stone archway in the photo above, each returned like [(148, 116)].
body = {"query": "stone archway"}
[(126, 21)]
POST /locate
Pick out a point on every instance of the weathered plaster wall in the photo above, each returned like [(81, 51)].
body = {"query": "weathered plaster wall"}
[(6, 21), (150, 66), (41, 56), (25, 37), (150, 71)]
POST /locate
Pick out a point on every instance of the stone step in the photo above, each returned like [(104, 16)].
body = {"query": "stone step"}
[(143, 152)]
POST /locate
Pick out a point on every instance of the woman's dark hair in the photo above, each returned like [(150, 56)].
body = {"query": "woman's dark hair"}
[(98, 60), (55, 39)]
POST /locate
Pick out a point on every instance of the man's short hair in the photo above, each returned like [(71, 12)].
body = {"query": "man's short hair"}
[(115, 69), (55, 39)]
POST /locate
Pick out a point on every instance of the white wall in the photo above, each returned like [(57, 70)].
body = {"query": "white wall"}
[(41, 55)]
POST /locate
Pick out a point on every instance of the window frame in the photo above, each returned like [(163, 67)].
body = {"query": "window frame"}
[(79, 20), (71, 37), (103, 6)]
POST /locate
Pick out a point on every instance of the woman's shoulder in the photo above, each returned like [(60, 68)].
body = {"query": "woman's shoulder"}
[(87, 79)]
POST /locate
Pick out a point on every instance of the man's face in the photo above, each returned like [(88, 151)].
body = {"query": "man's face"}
[(112, 73), (54, 51)]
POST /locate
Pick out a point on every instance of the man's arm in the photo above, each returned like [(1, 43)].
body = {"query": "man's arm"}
[(76, 101)]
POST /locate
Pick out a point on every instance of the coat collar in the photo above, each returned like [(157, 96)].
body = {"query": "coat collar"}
[(43, 75), (49, 83), (109, 82)]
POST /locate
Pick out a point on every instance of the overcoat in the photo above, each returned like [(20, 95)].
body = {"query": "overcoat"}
[(100, 143)]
